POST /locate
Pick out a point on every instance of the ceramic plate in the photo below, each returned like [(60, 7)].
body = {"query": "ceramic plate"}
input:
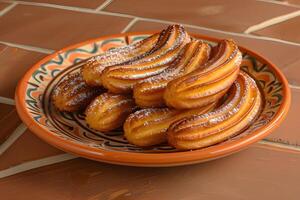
[(70, 133)]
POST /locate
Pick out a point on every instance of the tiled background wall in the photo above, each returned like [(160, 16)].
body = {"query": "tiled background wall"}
[(29, 30)]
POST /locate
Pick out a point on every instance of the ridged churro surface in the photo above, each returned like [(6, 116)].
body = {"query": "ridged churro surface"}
[(236, 114), (108, 111), (204, 86), (122, 78), (149, 92), (73, 94)]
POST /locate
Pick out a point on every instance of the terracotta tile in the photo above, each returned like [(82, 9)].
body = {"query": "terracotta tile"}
[(286, 30), (278, 53), (293, 73), (230, 15), (75, 3), (9, 121), (256, 173), (288, 132), (55, 28), (2, 47), (13, 64), (27, 147), (296, 2), (3, 5)]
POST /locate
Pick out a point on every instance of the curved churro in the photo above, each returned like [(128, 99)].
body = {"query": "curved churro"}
[(73, 94), (149, 92), (92, 69), (108, 111), (148, 127), (231, 118), (121, 78), (204, 86)]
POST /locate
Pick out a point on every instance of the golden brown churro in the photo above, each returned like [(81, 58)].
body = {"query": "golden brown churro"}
[(148, 127), (204, 86), (231, 118), (121, 78), (108, 111), (149, 92), (73, 94)]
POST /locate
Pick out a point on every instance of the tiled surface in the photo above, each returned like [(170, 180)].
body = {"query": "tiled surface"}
[(292, 72), (288, 132), (14, 60), (26, 148), (295, 2), (75, 3), (261, 172), (231, 15), (284, 30), (9, 121), (53, 28), (22, 60), (3, 5), (256, 173)]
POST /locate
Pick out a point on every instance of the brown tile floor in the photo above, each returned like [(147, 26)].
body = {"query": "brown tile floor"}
[(251, 174), (53, 28), (26, 148), (295, 2), (75, 3), (9, 121), (22, 60), (292, 72), (261, 172), (231, 15), (288, 132), (3, 5), (284, 30)]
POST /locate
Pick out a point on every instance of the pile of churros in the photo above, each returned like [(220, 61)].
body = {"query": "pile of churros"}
[(169, 87)]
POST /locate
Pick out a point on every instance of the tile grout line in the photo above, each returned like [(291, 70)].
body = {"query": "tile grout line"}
[(294, 86), (154, 20), (65, 157), (224, 32), (114, 14), (272, 21), (279, 145), (28, 47), (7, 101), (36, 164), (7, 9), (130, 24), (48, 51), (280, 3), (269, 39), (70, 8), (104, 5), (52, 6), (12, 138)]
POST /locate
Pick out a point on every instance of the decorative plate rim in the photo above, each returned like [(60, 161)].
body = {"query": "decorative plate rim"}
[(150, 159)]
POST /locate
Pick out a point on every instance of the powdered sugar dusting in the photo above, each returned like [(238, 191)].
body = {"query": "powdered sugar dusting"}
[(226, 111)]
